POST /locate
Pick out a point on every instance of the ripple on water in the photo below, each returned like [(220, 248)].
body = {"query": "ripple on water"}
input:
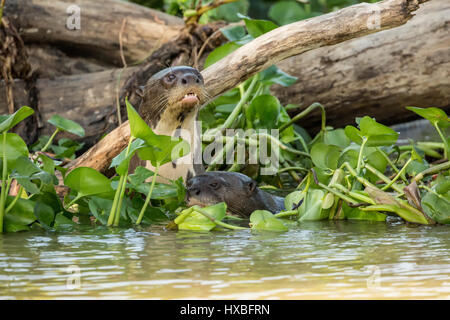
[(320, 260)]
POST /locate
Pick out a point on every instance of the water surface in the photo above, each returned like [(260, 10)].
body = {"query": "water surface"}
[(316, 260)]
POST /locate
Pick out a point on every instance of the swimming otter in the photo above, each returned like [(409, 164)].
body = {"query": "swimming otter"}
[(170, 101), (238, 191)]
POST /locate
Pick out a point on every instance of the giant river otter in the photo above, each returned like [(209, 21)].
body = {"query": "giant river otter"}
[(170, 103), (238, 191)]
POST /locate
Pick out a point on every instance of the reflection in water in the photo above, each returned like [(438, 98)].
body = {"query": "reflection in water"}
[(325, 260)]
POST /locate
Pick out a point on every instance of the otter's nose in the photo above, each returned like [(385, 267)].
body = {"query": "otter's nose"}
[(189, 79), (193, 191)]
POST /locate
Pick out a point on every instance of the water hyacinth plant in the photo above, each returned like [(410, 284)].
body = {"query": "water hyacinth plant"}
[(357, 172)]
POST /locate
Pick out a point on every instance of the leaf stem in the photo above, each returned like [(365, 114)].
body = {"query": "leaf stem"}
[(432, 170), (3, 191), (286, 213), (395, 186), (304, 113), (49, 142), (361, 149), (147, 200), (218, 222), (16, 198), (446, 148), (238, 107), (398, 175), (337, 193)]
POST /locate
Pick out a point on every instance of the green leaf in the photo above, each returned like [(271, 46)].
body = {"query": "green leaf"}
[(165, 150), (311, 208), (325, 156), (386, 202), (357, 214), (140, 175), (434, 115), (88, 182), (49, 198), (161, 191), (25, 171), (220, 52), (257, 27), (100, 209), (233, 33), (229, 11), (44, 214), (64, 124), (62, 221), (265, 220), (376, 133), (9, 121), (264, 111), (151, 215), (337, 138), (293, 199), (437, 206), (274, 75), (122, 161), (285, 12), (48, 165), (198, 222), (138, 127), (14, 148), (376, 160), (22, 213)]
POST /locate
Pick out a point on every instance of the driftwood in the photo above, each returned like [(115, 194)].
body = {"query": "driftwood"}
[(89, 98), (269, 49), (377, 75), (101, 23)]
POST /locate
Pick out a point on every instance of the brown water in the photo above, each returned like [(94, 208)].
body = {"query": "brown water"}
[(317, 260)]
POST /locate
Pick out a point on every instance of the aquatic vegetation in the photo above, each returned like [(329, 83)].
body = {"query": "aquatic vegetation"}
[(356, 172)]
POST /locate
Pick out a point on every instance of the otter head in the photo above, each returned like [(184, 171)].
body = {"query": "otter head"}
[(172, 94), (237, 190)]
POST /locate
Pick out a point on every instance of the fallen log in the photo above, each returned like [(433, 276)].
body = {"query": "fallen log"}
[(100, 24), (376, 75), (269, 49), (91, 98)]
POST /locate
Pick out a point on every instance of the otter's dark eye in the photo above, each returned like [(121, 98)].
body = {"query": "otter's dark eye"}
[(171, 77), (214, 185)]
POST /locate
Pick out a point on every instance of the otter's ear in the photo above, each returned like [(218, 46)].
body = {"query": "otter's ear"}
[(140, 91), (251, 186)]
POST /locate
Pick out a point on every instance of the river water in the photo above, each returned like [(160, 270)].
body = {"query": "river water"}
[(314, 260)]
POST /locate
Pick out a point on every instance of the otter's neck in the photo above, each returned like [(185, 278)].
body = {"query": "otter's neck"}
[(182, 126)]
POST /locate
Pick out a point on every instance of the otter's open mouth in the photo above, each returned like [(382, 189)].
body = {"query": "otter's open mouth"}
[(190, 98)]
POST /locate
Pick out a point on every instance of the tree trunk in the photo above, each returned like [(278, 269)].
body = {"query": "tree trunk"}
[(101, 24), (271, 48), (376, 75)]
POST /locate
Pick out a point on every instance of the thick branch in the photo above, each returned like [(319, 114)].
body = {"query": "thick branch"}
[(45, 21), (302, 36), (271, 48)]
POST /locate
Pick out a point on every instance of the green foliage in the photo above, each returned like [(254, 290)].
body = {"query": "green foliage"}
[(64, 124), (194, 220), (265, 220)]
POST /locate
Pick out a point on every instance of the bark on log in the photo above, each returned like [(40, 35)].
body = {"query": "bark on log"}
[(271, 48), (45, 21), (298, 37), (90, 99), (376, 75)]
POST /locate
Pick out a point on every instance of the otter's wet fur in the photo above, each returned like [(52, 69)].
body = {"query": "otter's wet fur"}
[(238, 191), (171, 99)]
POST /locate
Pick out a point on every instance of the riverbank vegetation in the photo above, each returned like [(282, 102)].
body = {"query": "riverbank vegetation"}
[(355, 172)]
